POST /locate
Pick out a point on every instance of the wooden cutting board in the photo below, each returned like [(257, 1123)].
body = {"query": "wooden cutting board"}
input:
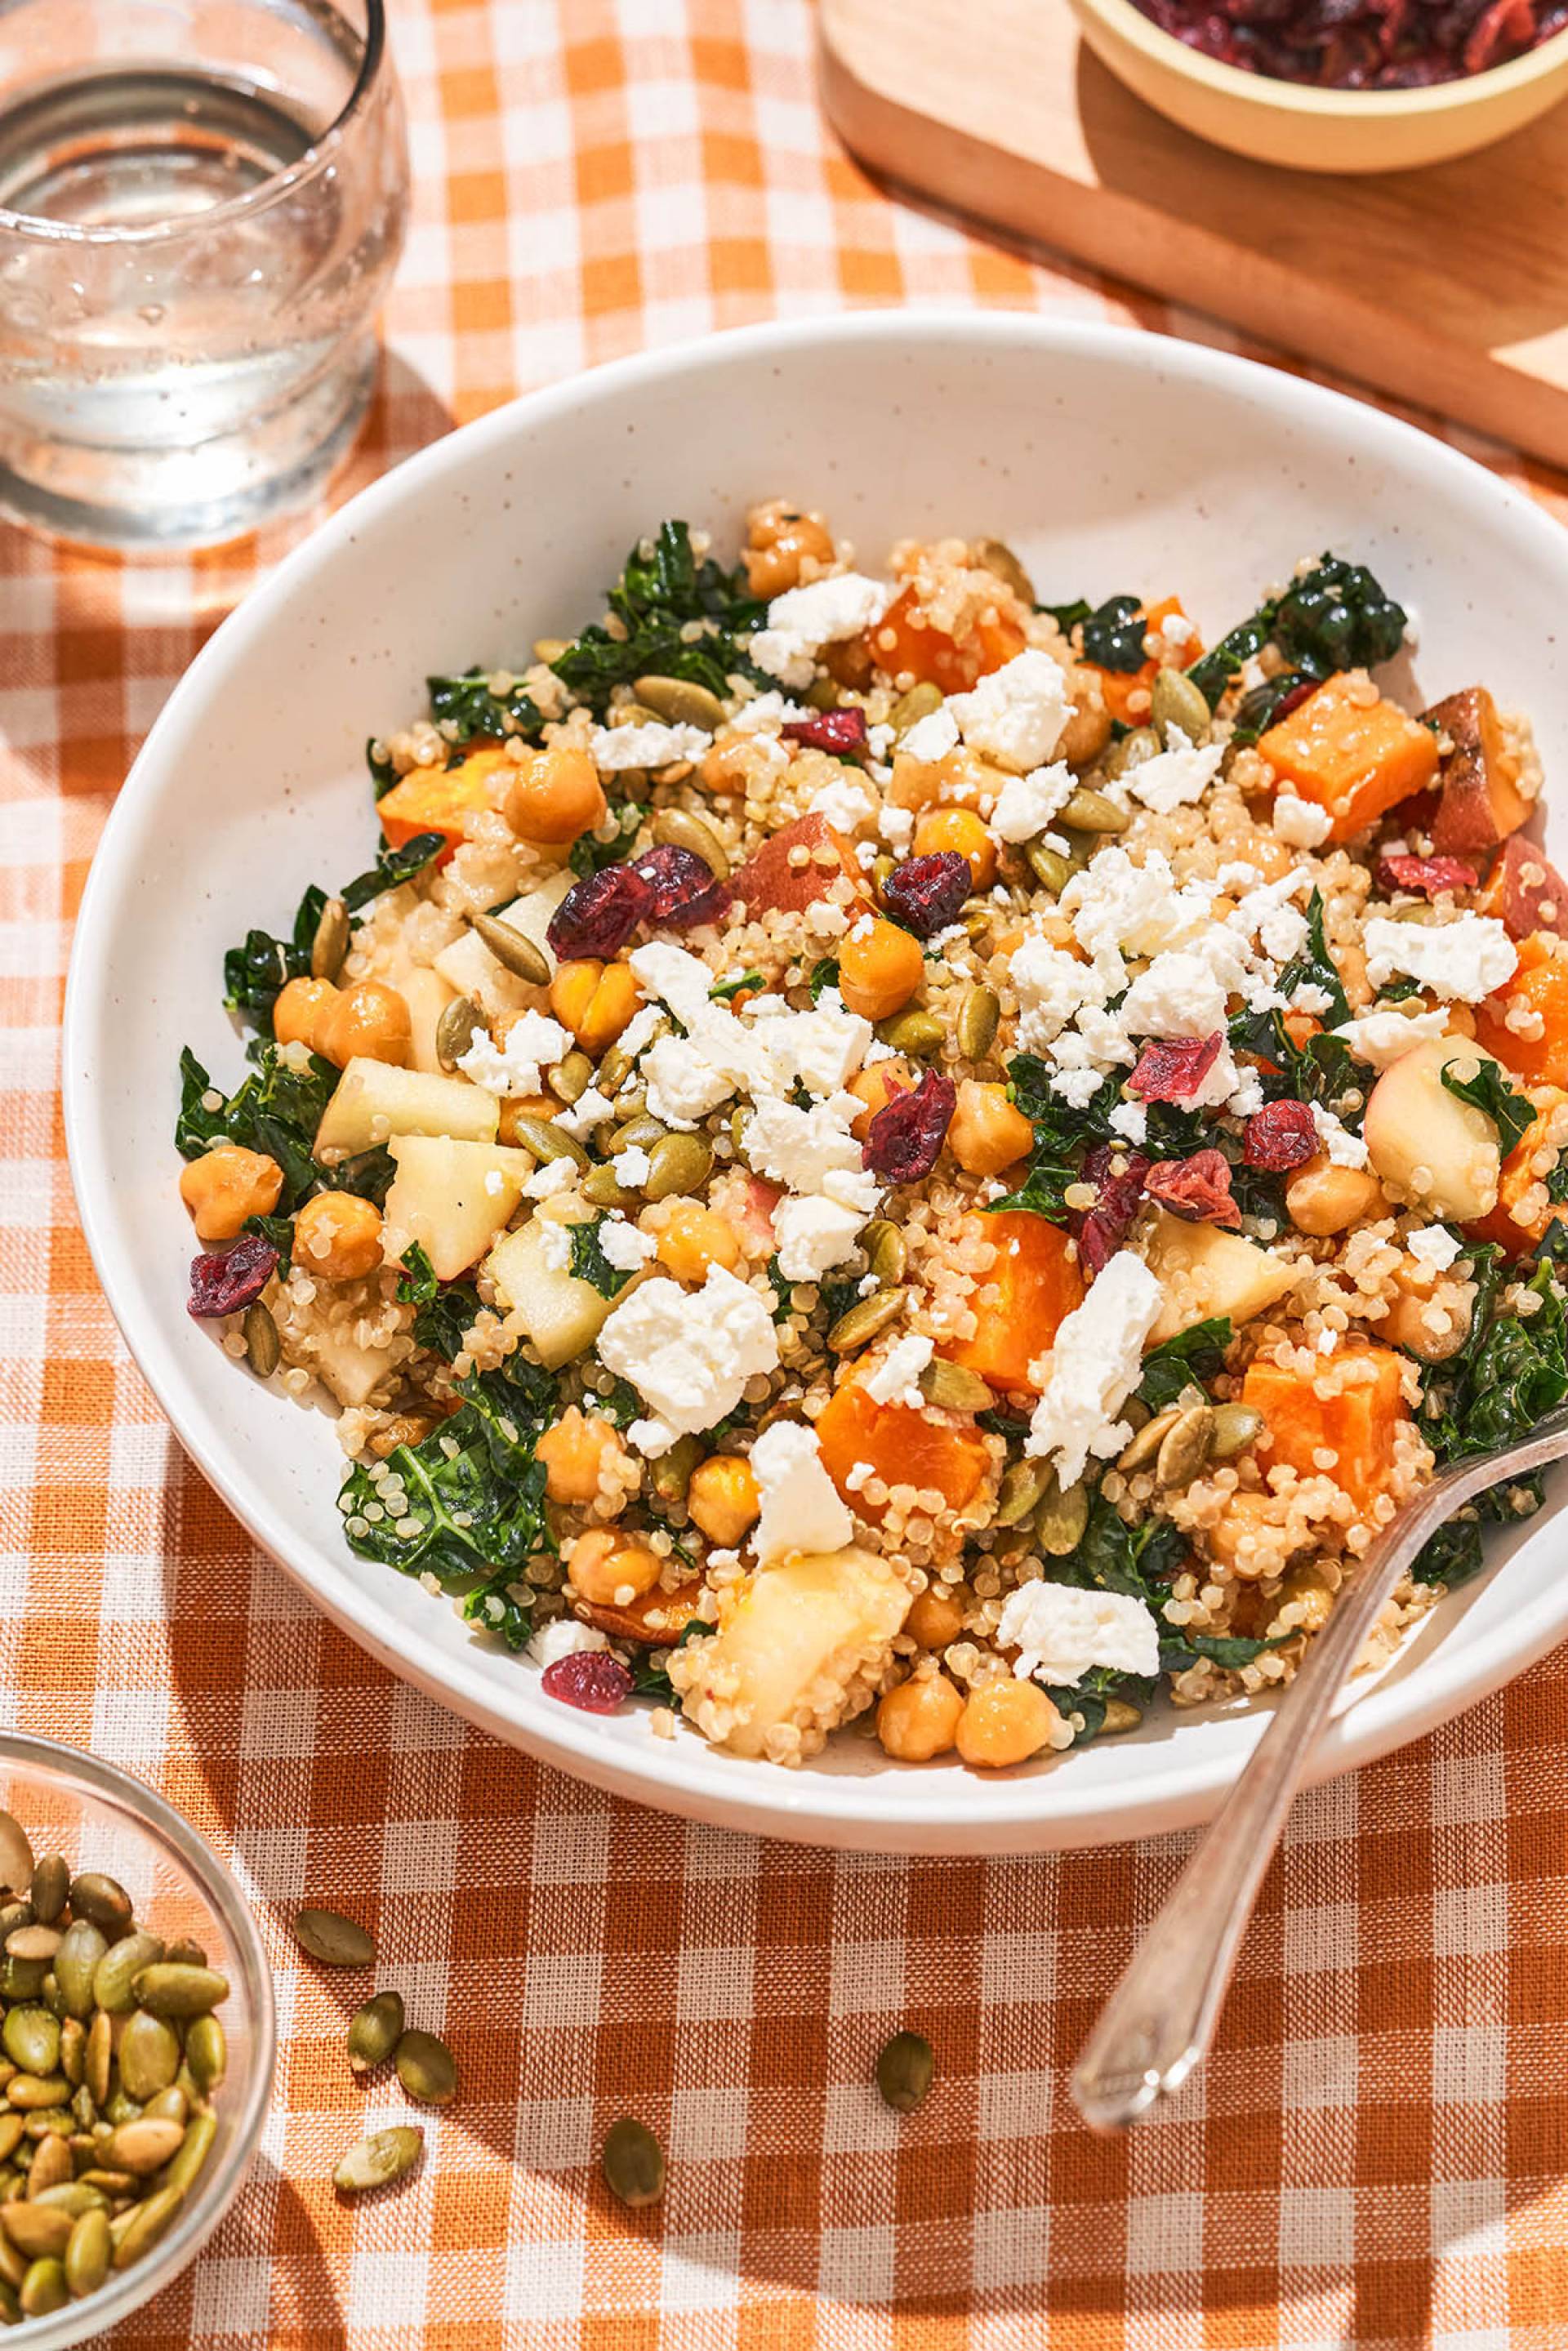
[(1445, 288)]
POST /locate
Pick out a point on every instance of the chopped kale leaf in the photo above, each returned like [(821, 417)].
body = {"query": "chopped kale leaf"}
[(1511, 1111), (1195, 1354), (661, 590), (465, 707), (588, 1262), (1113, 636)]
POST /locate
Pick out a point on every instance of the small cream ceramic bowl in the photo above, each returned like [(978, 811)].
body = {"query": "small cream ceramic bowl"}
[(1313, 130)]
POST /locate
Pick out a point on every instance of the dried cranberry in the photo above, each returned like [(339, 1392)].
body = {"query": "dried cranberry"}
[(1198, 1189), (928, 893), (1100, 1231), (1279, 1135), (829, 730), (685, 889), (589, 1678), (226, 1280), (1426, 875), (598, 913), (907, 1136), (1172, 1069)]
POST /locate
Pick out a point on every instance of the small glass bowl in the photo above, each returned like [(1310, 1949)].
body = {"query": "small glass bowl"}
[(101, 1819)]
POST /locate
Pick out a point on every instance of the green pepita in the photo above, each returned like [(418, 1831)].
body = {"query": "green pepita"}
[(122, 2108), (919, 1033), (195, 2149), (13, 2265), (73, 2051), (146, 2223), (953, 1387), (1176, 702), (678, 829), (11, 2129), (1184, 1448), (1148, 1439), (103, 1901), (1059, 1519), (545, 1141), (639, 1133), (426, 2068), (1022, 1490), (206, 2053), (262, 1346), (88, 2253), (680, 701), (678, 1167), (974, 1030), (119, 1966), (904, 2067), (456, 1030), (168, 2105), (513, 949), (44, 2289), (864, 1318), (1091, 812), (632, 2163), (23, 1979), (141, 2146), (100, 2058), (377, 2161), (671, 1474), (571, 1079), (911, 707), (336, 1941), (1132, 751), (51, 2166), (32, 2092), (375, 2031), (15, 1855), (76, 1964), (149, 2054), (604, 1188), (72, 2195), (1120, 1716), (51, 1885), (1052, 871), (994, 556), (329, 948), (31, 2037), (33, 1942), (36, 2229), (886, 1254), (1235, 1426)]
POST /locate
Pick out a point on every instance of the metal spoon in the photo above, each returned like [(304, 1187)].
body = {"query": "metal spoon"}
[(1159, 2022)]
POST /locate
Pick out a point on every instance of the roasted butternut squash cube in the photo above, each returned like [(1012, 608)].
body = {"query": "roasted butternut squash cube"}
[(1350, 1407), (905, 1447), (1353, 757), (1023, 1301)]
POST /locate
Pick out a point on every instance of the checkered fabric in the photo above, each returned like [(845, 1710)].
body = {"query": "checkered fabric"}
[(1376, 2157)]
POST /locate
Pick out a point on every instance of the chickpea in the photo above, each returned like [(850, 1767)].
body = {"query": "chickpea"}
[(1006, 1721), (937, 1615), (1432, 1318), (595, 1001), (602, 1567), (1322, 1198), (876, 1088), (338, 1237), (576, 1453), (693, 1238), (555, 797), (721, 1498), (1088, 730), (779, 539), (302, 1010), (920, 1718), (961, 829), (370, 1020), (988, 1132), (225, 1186), (517, 1108), (880, 967)]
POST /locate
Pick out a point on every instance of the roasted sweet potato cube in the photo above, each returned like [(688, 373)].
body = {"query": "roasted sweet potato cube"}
[(440, 799), (905, 644), (1524, 891), (1533, 1044), (656, 1618), (1480, 801), (1350, 1407), (769, 881), (905, 1447), (1021, 1304)]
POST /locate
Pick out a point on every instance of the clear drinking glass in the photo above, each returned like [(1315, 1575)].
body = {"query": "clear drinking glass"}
[(201, 205)]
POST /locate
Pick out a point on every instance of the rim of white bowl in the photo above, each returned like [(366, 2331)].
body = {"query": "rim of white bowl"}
[(980, 1813)]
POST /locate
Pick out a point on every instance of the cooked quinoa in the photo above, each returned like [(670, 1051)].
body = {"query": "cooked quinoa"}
[(872, 1147)]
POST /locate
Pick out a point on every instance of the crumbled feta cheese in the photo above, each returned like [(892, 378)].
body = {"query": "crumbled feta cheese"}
[(688, 1356), (1015, 717), (765, 714), (1093, 1367), (896, 1379), (932, 737), (820, 1049), (1302, 823), (1051, 985), (801, 1509), (495, 1182), (1062, 1633), (1131, 1121), (590, 1110), (1434, 1248), (1177, 996), (803, 619), (1308, 997), (679, 979), (859, 1472), (1461, 960), (1345, 1149), (1383, 1037), (844, 800), (896, 826), (1115, 903), (564, 1636), (813, 1234), (640, 1031), (1026, 804), (614, 748), (551, 1176), (626, 1248), (534, 1042), (1176, 775), (632, 1166), (555, 1246), (812, 1150), (684, 1082)]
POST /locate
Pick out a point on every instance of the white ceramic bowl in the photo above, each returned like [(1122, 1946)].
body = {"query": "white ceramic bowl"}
[(1110, 460)]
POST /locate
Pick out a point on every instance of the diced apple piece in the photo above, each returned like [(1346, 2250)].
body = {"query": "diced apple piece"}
[(533, 913), (1480, 800), (1204, 1270), (561, 1315), (453, 1199), (1524, 891), (374, 1101), (768, 882), (427, 995), (1439, 1151), (351, 1372), (468, 967), (804, 1648)]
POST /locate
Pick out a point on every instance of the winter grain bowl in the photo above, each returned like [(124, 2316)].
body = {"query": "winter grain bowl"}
[(930, 1112)]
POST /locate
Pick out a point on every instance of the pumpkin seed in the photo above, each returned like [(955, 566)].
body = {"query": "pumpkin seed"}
[(1022, 1487), (605, 1189), (881, 867), (195, 2149), (1053, 872), (15, 1855), (375, 2031), (206, 2052), (336, 1941), (976, 917), (183, 1953), (631, 1102), (1184, 1448), (677, 827), (671, 1474), (886, 1254), (329, 948), (11, 2129), (974, 1029), (51, 1883), (144, 2224), (905, 2066), (100, 2058), (571, 1079), (47, 2122), (537, 1135), (677, 1166), (32, 2036), (1132, 751), (919, 1033), (32, 2092), (1235, 1426), (108, 2183), (51, 2166), (169, 2105), (143, 2147), (456, 1030), (994, 556), (103, 1901), (33, 1942), (1059, 1519), (10, 2305), (73, 2051), (76, 1963), (640, 1132), (911, 707), (149, 2054), (864, 1318), (44, 2289), (36, 2229), (1091, 812), (953, 1387), (13, 2265), (121, 1962), (426, 2068), (262, 1348), (1148, 1439), (121, 2109), (14, 1915), (513, 949), (680, 701), (1176, 701), (632, 2163), (377, 2161), (88, 2253), (617, 1064), (23, 1979)]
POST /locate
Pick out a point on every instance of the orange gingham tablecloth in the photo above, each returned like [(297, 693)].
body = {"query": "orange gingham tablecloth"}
[(1375, 2157)]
